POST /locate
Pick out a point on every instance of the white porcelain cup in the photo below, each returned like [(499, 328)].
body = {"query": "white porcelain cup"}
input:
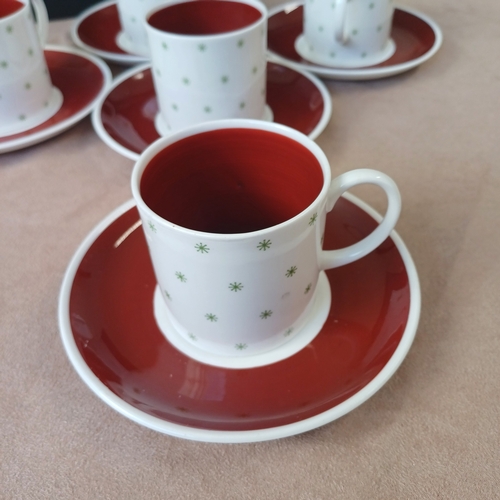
[(132, 13), (27, 96), (347, 33), (208, 61), (234, 213)]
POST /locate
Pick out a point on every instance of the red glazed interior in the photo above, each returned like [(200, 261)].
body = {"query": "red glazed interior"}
[(204, 17), (231, 181), (8, 7)]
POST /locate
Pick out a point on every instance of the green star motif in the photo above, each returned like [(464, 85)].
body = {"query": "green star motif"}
[(371, 5), (224, 79), (241, 43), (164, 46), (192, 336), (202, 248), (254, 70), (133, 19), (332, 54), (152, 226), (363, 54), (158, 72), (207, 109), (4, 64), (290, 272), (379, 27), (354, 32), (181, 277), (186, 81), (211, 317), (235, 287), (22, 117), (313, 219), (308, 288), (288, 332), (242, 104), (240, 347), (30, 52), (167, 295), (9, 29), (266, 314), (202, 47), (175, 107), (264, 245), (321, 29), (27, 86)]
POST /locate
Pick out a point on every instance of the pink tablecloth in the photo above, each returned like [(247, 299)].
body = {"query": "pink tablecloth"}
[(431, 432)]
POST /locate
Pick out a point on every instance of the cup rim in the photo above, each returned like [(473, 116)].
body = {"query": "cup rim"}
[(17, 12), (254, 3), (234, 123)]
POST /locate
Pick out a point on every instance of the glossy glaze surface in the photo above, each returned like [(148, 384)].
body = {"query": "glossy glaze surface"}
[(129, 110), (412, 35), (79, 80), (100, 29), (115, 332)]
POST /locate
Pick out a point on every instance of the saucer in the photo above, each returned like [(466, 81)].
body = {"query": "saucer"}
[(97, 30), (417, 39), (82, 79), (125, 117), (113, 342)]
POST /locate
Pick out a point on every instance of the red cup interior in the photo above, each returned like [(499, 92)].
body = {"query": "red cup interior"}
[(204, 17), (231, 181), (8, 7)]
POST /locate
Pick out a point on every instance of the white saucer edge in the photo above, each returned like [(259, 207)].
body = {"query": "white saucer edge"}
[(116, 146), (45, 134), (251, 436), (353, 74), (117, 58)]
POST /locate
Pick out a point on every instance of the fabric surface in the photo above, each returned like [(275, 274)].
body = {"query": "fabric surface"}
[(432, 432)]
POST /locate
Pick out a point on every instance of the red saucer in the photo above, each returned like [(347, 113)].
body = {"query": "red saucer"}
[(125, 119), (110, 335), (81, 78)]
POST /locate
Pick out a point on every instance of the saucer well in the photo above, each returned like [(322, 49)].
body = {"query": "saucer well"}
[(97, 30), (110, 335), (125, 116), (417, 39), (82, 80)]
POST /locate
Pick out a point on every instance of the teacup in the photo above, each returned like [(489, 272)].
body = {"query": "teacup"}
[(347, 33), (234, 213), (27, 96), (208, 61), (132, 14)]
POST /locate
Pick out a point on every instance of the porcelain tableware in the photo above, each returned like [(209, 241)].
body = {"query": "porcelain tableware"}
[(209, 61), (27, 96), (234, 213), (114, 344), (132, 14), (347, 33)]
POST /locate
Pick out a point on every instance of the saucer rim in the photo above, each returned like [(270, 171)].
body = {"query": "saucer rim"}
[(113, 57), (28, 139), (366, 73), (228, 436), (98, 125)]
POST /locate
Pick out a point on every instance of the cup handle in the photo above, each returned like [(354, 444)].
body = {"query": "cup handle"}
[(340, 19), (42, 20), (336, 258)]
